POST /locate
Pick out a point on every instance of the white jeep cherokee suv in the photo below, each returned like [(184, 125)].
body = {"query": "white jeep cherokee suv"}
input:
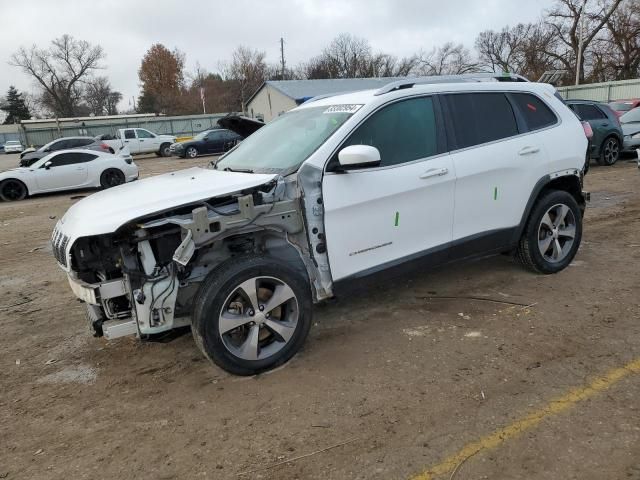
[(420, 172)]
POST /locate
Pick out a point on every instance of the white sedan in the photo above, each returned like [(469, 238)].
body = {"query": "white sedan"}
[(68, 170), (13, 146)]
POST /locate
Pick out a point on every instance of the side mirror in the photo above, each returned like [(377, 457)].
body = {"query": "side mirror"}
[(356, 156), (47, 165), (48, 149)]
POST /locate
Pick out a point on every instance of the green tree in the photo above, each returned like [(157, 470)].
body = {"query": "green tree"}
[(15, 107)]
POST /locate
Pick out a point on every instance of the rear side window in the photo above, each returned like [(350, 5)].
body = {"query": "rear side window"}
[(129, 134), (403, 131), (536, 113), (481, 117)]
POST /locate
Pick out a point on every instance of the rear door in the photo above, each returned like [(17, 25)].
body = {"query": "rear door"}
[(495, 160), (130, 140), (67, 170), (402, 209)]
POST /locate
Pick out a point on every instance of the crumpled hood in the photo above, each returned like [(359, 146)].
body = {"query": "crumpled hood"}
[(108, 210), (630, 128)]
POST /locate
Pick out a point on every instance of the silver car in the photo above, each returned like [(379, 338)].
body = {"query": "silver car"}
[(13, 146)]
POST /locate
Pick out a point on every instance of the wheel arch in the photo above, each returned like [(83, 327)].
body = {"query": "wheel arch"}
[(570, 182)]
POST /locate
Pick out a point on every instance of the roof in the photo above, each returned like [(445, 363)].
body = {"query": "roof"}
[(301, 90)]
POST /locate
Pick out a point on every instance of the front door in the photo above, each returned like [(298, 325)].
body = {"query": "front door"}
[(399, 210), (67, 170), (147, 141)]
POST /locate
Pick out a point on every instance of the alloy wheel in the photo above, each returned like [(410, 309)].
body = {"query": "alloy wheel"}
[(13, 190), (556, 233), (611, 151), (192, 152), (258, 318)]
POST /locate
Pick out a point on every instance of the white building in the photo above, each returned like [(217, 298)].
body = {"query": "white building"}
[(274, 97)]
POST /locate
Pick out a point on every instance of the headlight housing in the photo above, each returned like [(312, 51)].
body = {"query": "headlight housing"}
[(636, 135)]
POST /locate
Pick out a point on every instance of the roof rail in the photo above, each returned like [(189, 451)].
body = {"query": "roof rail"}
[(467, 77)]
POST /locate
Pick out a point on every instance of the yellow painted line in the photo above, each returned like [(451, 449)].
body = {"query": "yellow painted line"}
[(530, 421)]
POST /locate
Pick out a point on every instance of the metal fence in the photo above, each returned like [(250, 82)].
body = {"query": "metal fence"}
[(602, 92), (37, 134)]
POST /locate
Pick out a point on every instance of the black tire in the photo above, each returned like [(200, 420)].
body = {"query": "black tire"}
[(191, 152), (536, 233), (12, 190), (609, 152), (217, 293), (111, 177), (111, 151), (165, 150)]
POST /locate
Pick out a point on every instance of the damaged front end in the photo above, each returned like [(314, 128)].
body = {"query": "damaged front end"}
[(143, 277)]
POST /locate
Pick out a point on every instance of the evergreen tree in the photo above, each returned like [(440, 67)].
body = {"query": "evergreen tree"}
[(15, 107)]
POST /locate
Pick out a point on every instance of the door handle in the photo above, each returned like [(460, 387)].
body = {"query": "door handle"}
[(126, 141), (528, 151), (141, 140), (434, 172)]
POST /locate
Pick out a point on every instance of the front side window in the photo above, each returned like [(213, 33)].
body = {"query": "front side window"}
[(403, 131), (481, 117), (283, 144), (70, 158), (536, 114)]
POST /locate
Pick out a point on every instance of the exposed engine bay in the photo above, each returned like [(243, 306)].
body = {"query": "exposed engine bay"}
[(142, 279)]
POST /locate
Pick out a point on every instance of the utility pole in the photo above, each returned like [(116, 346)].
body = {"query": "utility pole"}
[(282, 56), (580, 41)]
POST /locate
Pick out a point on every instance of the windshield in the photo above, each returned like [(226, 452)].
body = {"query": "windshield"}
[(201, 135), (12, 142), (282, 145), (621, 106), (631, 116)]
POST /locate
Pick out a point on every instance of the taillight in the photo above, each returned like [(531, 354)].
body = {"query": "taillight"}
[(104, 146), (588, 131)]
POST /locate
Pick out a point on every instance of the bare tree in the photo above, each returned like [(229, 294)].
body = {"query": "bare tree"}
[(60, 70), (519, 49), (247, 71), (564, 22), (449, 59), (619, 57), (100, 97)]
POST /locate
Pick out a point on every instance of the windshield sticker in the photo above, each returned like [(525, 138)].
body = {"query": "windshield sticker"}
[(343, 108)]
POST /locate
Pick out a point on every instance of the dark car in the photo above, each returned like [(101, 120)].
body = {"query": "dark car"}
[(27, 159), (606, 143), (208, 142)]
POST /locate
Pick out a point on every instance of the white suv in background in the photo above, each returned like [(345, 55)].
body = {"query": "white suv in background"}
[(418, 173)]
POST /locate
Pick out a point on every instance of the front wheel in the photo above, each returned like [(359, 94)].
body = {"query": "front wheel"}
[(12, 190), (165, 150), (111, 177), (191, 152), (252, 314), (552, 236), (610, 152)]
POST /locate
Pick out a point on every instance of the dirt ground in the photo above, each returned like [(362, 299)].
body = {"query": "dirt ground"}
[(395, 379)]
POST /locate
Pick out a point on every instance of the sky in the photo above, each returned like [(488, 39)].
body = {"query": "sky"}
[(208, 31)]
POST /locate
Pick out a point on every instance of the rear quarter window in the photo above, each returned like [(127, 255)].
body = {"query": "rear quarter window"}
[(536, 113)]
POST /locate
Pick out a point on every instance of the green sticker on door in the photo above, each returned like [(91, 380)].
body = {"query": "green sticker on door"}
[(397, 220)]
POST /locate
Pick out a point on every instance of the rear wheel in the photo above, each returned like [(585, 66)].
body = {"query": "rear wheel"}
[(12, 190), (252, 314), (111, 177), (191, 152), (610, 152), (552, 236)]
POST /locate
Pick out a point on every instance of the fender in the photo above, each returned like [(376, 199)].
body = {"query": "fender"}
[(568, 180)]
